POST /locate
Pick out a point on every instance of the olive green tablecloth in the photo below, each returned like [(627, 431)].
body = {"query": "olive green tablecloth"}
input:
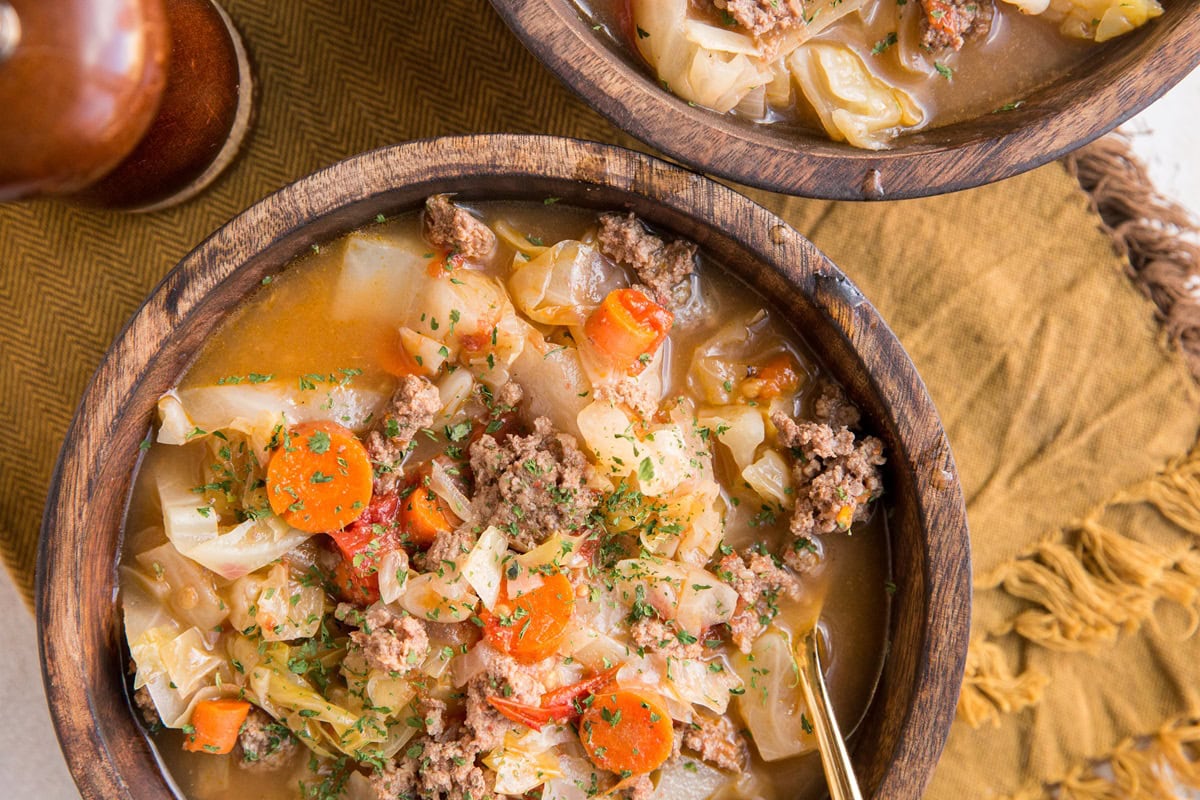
[(1070, 418)]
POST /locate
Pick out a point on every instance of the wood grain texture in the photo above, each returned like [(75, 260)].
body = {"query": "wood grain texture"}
[(1117, 80), (79, 624)]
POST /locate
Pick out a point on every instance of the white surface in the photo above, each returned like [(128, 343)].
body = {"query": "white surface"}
[(30, 764), (1165, 136)]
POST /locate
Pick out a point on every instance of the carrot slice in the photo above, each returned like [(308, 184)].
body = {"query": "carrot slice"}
[(627, 732), (423, 516), (320, 478), (355, 584), (627, 328), (215, 725), (531, 627)]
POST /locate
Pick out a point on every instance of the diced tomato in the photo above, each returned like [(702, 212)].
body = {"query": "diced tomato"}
[(627, 329), (362, 545)]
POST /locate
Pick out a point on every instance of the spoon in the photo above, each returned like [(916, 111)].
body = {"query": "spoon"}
[(839, 773)]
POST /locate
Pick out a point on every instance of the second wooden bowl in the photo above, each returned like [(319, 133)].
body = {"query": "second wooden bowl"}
[(1106, 89)]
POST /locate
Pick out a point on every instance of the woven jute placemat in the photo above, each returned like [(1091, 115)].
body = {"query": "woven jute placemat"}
[(1060, 366)]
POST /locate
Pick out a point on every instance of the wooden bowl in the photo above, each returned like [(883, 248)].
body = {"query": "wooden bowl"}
[(80, 625), (1115, 82)]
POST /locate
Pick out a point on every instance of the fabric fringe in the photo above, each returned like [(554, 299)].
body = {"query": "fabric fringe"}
[(1089, 591), (1157, 236), (990, 688), (1087, 584), (1143, 768), (1175, 493)]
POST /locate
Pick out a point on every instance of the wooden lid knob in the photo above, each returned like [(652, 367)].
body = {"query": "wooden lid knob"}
[(80, 82)]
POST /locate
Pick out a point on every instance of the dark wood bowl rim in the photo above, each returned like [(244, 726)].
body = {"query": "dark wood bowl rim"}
[(1053, 121), (154, 348)]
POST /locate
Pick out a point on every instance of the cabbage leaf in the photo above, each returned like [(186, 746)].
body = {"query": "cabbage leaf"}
[(853, 104)]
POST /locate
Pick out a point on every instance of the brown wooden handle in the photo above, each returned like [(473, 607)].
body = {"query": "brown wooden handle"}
[(10, 30), (80, 85)]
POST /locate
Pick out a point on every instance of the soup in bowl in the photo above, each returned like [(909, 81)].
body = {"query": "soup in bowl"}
[(863, 99), (473, 490)]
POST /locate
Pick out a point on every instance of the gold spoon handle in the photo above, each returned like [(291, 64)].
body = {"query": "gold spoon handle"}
[(839, 773)]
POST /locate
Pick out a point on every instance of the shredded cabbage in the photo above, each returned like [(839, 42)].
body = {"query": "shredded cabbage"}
[(1099, 20), (481, 567), (553, 379), (739, 428), (196, 533), (258, 409), (773, 704), (853, 104), (378, 276), (384, 279), (697, 683), (771, 477), (393, 574), (578, 775), (277, 604), (172, 661), (186, 588), (661, 459), (437, 598), (696, 61), (524, 761), (326, 725), (687, 778), (693, 597), (564, 284)]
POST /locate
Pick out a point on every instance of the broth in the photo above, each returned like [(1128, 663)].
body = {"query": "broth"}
[(295, 332), (992, 72)]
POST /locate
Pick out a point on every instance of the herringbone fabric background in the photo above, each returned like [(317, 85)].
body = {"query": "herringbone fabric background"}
[(1059, 396), (334, 77)]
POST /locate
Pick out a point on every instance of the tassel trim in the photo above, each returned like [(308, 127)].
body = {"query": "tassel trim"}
[(1145, 768), (1086, 585), (990, 688)]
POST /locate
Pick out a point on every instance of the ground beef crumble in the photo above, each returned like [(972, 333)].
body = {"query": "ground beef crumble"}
[(390, 643), (456, 230), (632, 393), (659, 265), (717, 741), (436, 769), (442, 763), (661, 636), (447, 546), (432, 713), (763, 17), (265, 743), (835, 473), (145, 706), (948, 24), (760, 583), (412, 407), (503, 677), (531, 486)]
